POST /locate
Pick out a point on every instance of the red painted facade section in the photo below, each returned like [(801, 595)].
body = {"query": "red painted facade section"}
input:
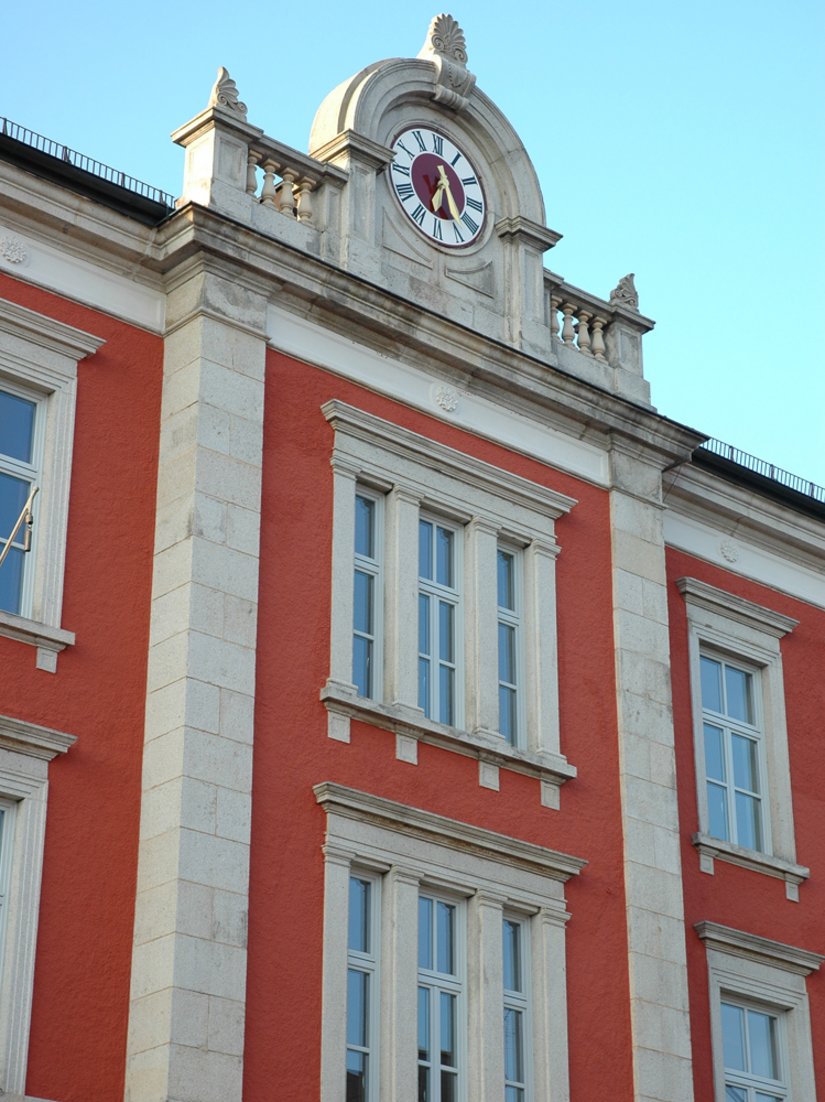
[(81, 991)]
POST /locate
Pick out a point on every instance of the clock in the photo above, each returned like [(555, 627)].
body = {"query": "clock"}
[(437, 187)]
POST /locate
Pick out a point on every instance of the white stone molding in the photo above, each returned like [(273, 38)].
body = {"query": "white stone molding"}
[(724, 623), (25, 752), (446, 48), (225, 94), (772, 976), (41, 355)]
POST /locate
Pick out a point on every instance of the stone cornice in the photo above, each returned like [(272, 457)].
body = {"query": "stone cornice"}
[(735, 608), (33, 740), (763, 950), (53, 335)]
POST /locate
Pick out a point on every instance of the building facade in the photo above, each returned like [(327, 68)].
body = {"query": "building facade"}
[(394, 704)]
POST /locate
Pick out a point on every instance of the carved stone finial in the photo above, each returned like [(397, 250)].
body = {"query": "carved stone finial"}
[(225, 94), (446, 48), (625, 294)]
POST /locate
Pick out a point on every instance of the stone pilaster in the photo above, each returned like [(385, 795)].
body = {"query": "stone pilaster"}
[(652, 865), (186, 1025)]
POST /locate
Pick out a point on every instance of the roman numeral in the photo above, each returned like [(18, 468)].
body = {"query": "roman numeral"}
[(404, 191), (474, 203), (402, 169), (402, 146), (469, 181), (468, 222), (437, 229), (455, 159), (438, 144), (419, 139), (458, 236), (418, 215)]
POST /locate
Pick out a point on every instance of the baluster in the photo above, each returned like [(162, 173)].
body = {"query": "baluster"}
[(598, 339), (555, 302), (268, 190), (583, 332), (568, 333), (252, 161), (287, 195), (304, 198)]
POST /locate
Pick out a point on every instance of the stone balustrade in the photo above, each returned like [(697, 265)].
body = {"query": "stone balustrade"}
[(579, 322), (285, 180)]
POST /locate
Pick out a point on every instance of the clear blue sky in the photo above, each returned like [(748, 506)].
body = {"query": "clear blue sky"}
[(682, 141)]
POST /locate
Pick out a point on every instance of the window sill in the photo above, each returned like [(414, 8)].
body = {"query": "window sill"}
[(48, 640), (710, 849), (410, 727)]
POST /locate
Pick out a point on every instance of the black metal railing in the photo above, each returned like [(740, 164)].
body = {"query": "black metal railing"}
[(80, 161), (765, 469)]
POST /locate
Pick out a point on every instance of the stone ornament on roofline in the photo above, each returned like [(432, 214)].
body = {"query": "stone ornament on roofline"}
[(225, 94), (446, 48), (625, 293)]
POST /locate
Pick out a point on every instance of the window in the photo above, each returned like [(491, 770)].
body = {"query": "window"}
[(741, 740), (760, 1020), (439, 621), (750, 1043), (448, 633), (430, 920), (38, 373)]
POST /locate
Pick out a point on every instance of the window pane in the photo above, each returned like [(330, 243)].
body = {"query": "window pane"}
[(507, 653), (513, 1094), (512, 956), (364, 527), (711, 674), (363, 602), (446, 631), (356, 1076), (738, 692), (423, 1084), (357, 1007), (446, 938), (362, 665), (745, 771), (733, 1038), (506, 589), (425, 549), (16, 427), (444, 539), (446, 694), (447, 1023), (11, 580), (13, 495), (507, 723), (449, 1086), (762, 1038), (425, 932), (714, 756), (359, 915), (735, 1094), (762, 1097), (748, 821), (423, 624), (423, 1023), (424, 685), (717, 811), (513, 1045)]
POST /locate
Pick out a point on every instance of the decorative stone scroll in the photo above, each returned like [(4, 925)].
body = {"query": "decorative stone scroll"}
[(625, 294), (225, 94), (446, 48)]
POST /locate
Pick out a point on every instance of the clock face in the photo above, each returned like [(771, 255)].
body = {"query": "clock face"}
[(437, 187)]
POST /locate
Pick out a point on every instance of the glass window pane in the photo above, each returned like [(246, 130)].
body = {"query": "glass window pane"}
[(512, 956), (717, 810), (359, 915), (748, 821), (449, 1086), (423, 1084), (762, 1038), (714, 756), (444, 540), (446, 694), (506, 589), (425, 549), (11, 580), (362, 665), (735, 1094), (446, 631), (364, 526), (423, 624), (711, 681), (357, 1007), (762, 1097), (446, 938), (513, 1045), (424, 685), (733, 1036), (513, 1094), (356, 1076), (13, 495), (363, 602), (738, 693), (507, 653), (16, 426), (423, 1023), (447, 1024), (425, 932), (507, 722), (745, 771)]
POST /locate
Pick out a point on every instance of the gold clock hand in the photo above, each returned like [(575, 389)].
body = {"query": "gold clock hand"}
[(437, 196), (444, 185)]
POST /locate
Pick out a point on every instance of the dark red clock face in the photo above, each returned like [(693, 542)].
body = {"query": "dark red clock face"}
[(437, 187)]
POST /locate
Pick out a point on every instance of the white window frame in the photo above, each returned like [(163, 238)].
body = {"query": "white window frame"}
[(745, 1079), (453, 984), (31, 473), (521, 1001), (415, 851), (369, 963), (25, 753), (745, 634), (40, 355), (768, 975), (514, 618), (488, 506), (374, 567), (434, 592)]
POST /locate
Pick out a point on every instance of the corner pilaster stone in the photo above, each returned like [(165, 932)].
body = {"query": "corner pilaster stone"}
[(652, 864), (186, 1022)]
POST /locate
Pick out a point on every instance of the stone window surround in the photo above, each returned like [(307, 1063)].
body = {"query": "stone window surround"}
[(743, 630), (408, 848), (771, 975), (42, 354), (491, 505), (25, 752)]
